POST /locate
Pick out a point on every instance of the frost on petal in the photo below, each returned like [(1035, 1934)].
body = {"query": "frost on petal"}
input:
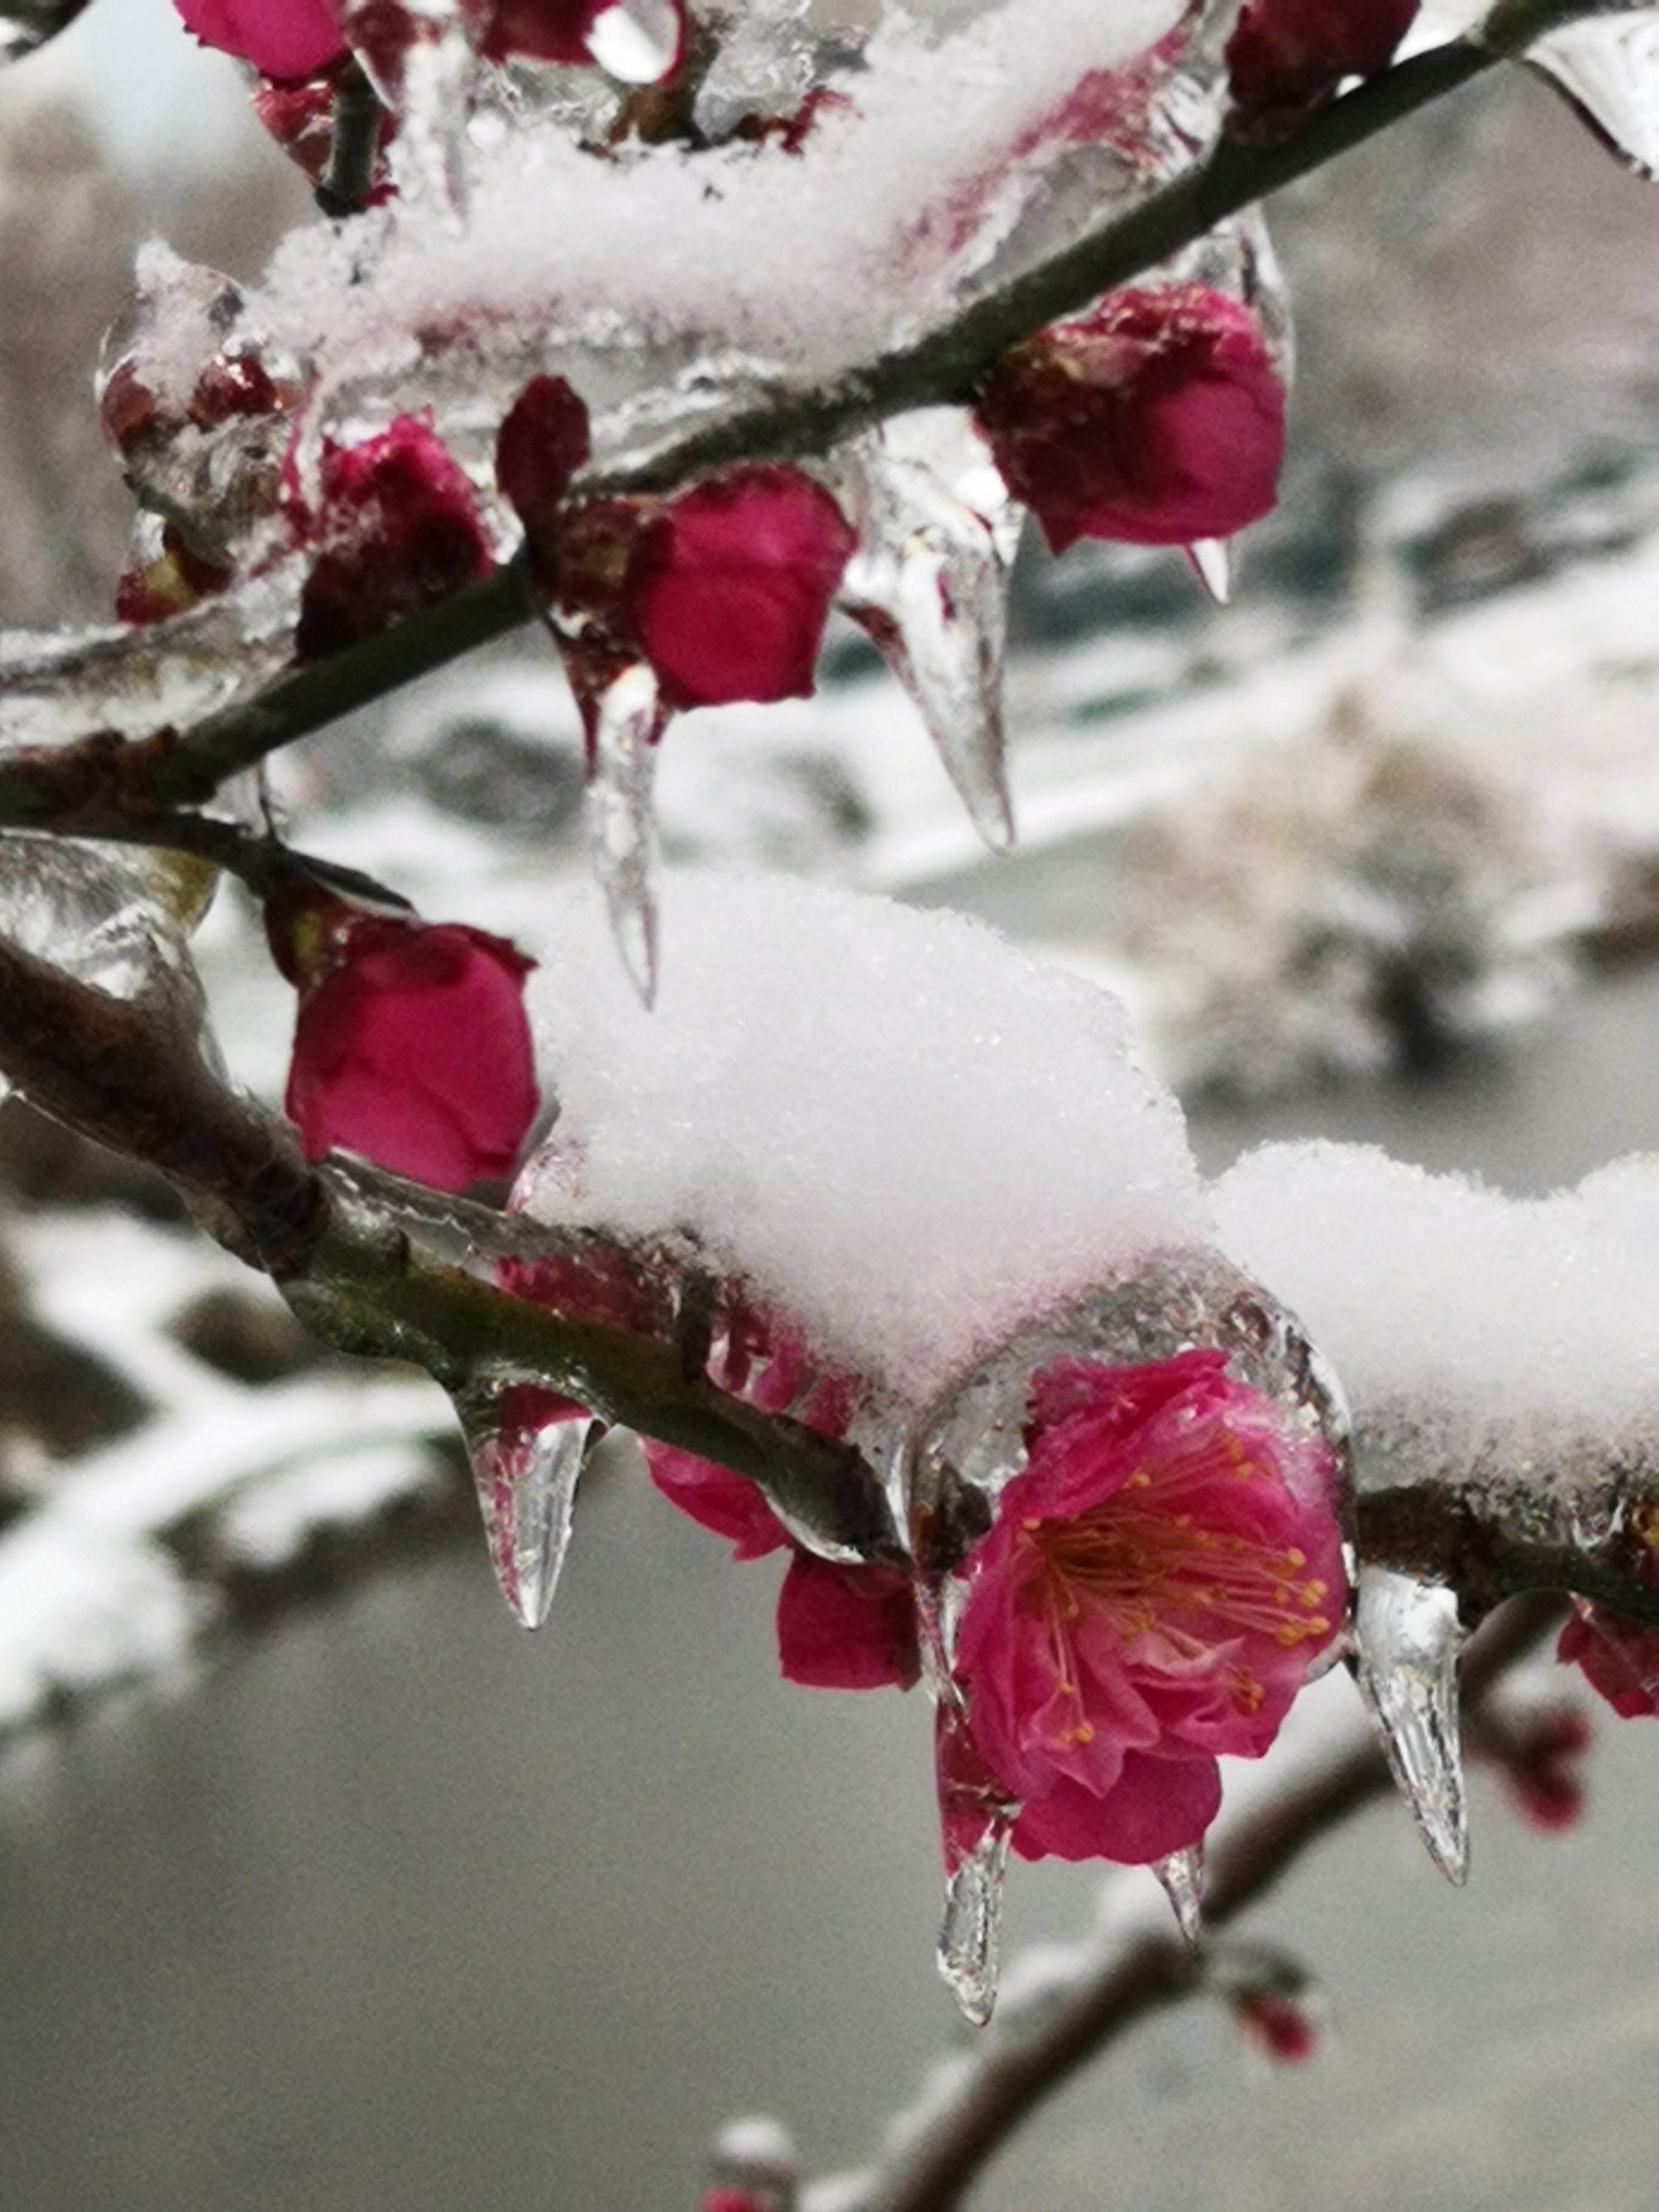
[(397, 528), (1157, 419)]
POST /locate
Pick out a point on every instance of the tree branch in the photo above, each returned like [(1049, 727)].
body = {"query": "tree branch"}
[(91, 787)]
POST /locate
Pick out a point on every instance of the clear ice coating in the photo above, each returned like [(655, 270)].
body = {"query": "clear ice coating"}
[(1607, 66), (1407, 1636), (526, 1447), (113, 917), (26, 24), (929, 583), (1182, 1876), (764, 65), (636, 41), (621, 822), (976, 1821)]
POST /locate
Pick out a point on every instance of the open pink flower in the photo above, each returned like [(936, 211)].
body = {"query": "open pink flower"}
[(1286, 57), (841, 1625), (1150, 1595), (411, 1045), (1157, 419), (281, 37), (397, 527)]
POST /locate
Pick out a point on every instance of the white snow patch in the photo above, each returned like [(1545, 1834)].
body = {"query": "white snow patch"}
[(903, 1129)]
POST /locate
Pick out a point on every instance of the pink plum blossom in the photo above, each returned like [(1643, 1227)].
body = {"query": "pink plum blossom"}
[(410, 1044), (1158, 419), (1150, 1595), (281, 37)]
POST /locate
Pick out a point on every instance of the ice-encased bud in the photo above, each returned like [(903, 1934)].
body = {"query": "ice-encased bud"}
[(929, 583), (1607, 66), (199, 404), (527, 1446), (1407, 1639), (621, 820), (26, 24)]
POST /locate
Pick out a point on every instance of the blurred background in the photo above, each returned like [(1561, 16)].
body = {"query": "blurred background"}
[(322, 1884)]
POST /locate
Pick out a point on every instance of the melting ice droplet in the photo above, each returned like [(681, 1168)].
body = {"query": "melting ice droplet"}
[(1182, 1876), (1408, 1637), (526, 1466)]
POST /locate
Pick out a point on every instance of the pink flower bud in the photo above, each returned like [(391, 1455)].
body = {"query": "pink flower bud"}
[(1280, 2026), (728, 586), (281, 37), (1151, 1592), (397, 528), (1157, 419), (539, 447), (1286, 57), (411, 1045)]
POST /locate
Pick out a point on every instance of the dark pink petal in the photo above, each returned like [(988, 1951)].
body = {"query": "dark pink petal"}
[(1619, 1658), (847, 1627), (542, 442), (413, 1050), (1158, 420), (1285, 58), (729, 1505), (541, 30), (729, 586), (1157, 1806), (281, 37)]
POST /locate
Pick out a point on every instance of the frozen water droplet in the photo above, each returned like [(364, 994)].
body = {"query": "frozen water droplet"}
[(1407, 1636), (969, 1933), (26, 24), (1182, 1876), (1212, 562), (1607, 66), (929, 584), (621, 822), (637, 41), (526, 1457)]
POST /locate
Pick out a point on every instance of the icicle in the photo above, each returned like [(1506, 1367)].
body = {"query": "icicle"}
[(423, 68), (1211, 560), (622, 824), (1607, 66), (969, 1935), (1408, 1636), (1182, 1876), (929, 584), (526, 1466), (977, 1820), (27, 24)]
